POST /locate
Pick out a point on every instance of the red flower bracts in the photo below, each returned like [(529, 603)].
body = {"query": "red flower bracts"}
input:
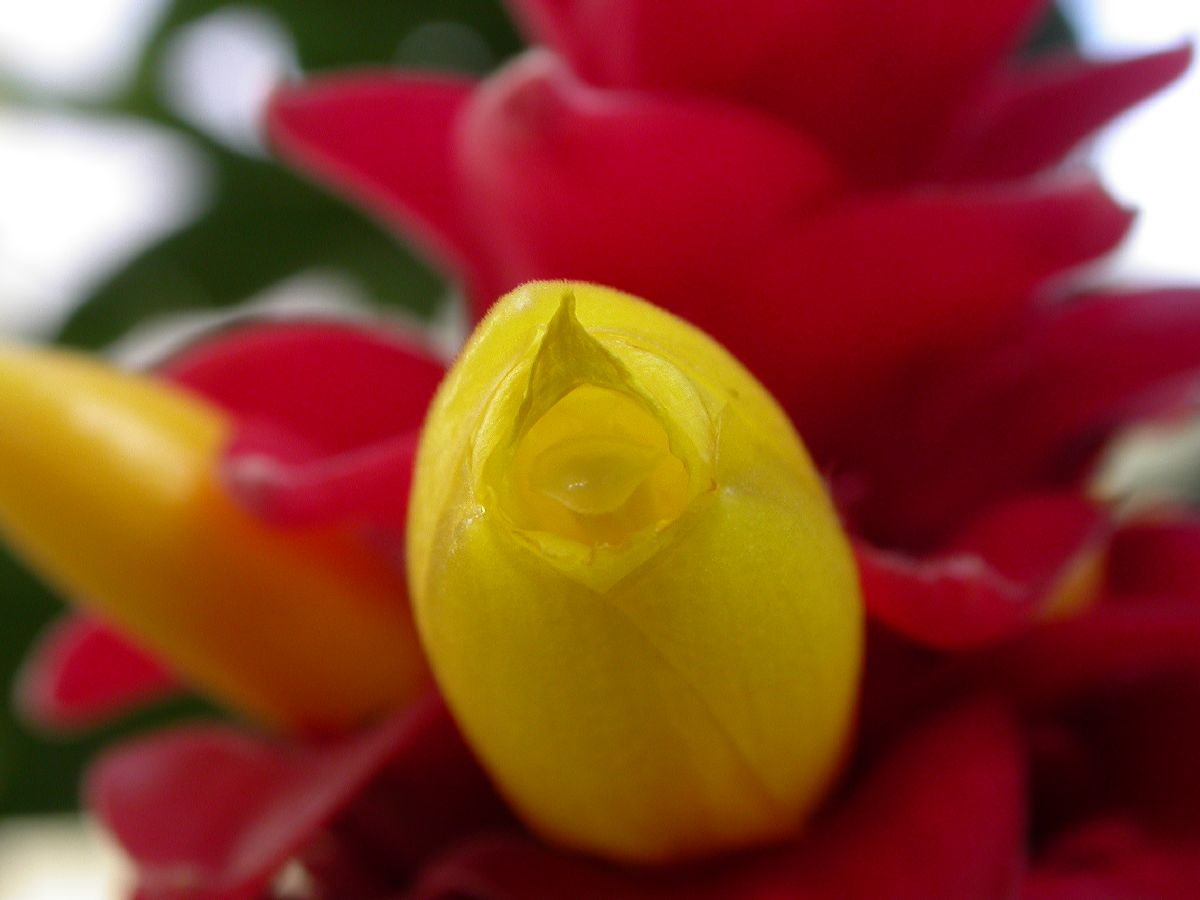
[(866, 204)]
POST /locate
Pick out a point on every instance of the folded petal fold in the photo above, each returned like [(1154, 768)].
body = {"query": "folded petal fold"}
[(366, 486), (856, 200), (111, 487), (1024, 560)]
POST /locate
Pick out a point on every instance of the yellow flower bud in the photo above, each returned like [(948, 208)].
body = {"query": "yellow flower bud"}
[(108, 486), (630, 582)]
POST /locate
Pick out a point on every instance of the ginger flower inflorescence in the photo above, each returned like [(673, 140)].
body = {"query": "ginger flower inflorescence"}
[(866, 204), (631, 584)]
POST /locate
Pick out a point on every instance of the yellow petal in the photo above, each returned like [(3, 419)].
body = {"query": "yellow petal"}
[(632, 587), (107, 485)]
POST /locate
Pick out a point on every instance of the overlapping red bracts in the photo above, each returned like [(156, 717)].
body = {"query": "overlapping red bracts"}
[(1029, 411), (866, 204), (313, 441), (208, 811), (878, 83), (761, 238)]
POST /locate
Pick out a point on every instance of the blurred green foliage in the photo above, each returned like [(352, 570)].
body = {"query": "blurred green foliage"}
[(264, 223), (1053, 33), (260, 225)]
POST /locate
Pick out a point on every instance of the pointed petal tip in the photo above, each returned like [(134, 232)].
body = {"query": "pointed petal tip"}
[(1089, 218), (298, 107), (80, 673), (1030, 119), (385, 140), (1173, 62)]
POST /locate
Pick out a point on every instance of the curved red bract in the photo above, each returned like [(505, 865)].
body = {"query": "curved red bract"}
[(81, 672)]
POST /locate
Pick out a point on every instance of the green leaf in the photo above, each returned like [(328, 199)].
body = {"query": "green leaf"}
[(265, 224), (1054, 33)]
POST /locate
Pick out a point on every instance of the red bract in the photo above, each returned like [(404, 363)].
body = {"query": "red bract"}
[(865, 203), (878, 84), (762, 238), (81, 672)]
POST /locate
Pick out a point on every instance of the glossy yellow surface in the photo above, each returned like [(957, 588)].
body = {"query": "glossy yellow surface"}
[(630, 582), (107, 486)]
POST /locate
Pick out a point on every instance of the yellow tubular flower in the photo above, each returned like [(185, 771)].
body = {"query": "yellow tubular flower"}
[(107, 485), (630, 582)]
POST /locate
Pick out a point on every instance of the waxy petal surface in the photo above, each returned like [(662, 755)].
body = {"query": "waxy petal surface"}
[(823, 294), (368, 486), (567, 181), (693, 162), (313, 445)]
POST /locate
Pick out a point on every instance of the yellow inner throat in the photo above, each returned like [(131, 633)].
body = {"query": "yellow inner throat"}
[(596, 468)]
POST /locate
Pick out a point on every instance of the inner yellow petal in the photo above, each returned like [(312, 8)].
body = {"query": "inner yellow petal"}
[(597, 468), (593, 474)]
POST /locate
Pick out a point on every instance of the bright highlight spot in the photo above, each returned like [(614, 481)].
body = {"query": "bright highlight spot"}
[(59, 858), (220, 71), (85, 48), (78, 195)]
